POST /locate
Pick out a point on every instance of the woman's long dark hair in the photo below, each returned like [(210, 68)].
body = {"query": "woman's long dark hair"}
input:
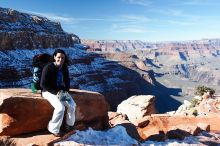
[(66, 61)]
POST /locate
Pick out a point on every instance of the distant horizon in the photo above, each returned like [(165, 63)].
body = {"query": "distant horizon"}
[(144, 20), (154, 41)]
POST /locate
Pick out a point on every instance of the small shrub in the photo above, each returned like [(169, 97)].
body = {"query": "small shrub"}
[(195, 112), (200, 90)]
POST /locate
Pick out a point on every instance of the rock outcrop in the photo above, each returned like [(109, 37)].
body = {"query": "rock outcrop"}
[(200, 105), (137, 107), (159, 127), (33, 31), (23, 112), (166, 123)]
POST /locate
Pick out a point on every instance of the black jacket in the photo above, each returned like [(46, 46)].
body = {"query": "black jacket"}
[(49, 78)]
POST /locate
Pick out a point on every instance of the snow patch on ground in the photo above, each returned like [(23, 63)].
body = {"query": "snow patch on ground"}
[(119, 136), (114, 136)]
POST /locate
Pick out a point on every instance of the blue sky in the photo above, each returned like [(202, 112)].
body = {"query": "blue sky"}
[(149, 20)]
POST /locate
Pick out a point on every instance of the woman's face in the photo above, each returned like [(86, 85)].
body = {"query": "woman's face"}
[(59, 59)]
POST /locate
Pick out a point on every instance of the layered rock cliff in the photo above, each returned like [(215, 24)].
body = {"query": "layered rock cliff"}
[(21, 30), (191, 59), (177, 66)]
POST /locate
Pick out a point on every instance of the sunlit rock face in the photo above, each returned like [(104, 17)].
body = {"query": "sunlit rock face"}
[(136, 107), (18, 106)]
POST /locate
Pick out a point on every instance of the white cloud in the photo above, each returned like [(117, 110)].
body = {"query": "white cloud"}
[(184, 23), (139, 2), (135, 18), (70, 20), (60, 18), (128, 28), (66, 19), (132, 24), (196, 2), (171, 12), (179, 16), (175, 12), (54, 17)]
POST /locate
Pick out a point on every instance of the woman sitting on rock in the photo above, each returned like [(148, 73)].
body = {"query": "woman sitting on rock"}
[(54, 79)]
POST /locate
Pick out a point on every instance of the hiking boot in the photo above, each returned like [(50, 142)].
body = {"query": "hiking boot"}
[(60, 134), (68, 128)]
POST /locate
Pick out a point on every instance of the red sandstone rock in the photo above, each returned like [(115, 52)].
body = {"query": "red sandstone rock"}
[(164, 123), (22, 111)]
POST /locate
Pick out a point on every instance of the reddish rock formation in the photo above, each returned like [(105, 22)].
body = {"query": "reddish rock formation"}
[(22, 111), (166, 123)]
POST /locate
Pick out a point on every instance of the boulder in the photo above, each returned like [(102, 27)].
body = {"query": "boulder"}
[(185, 124), (136, 107), (21, 111)]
